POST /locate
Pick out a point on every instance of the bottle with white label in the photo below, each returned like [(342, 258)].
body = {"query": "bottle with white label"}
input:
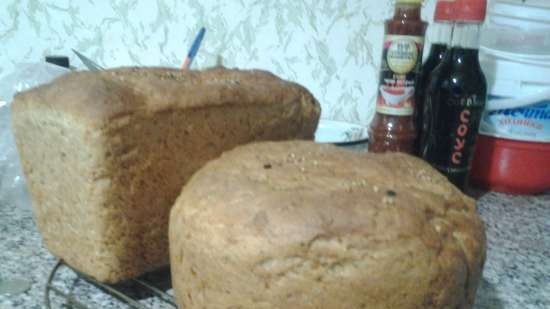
[(456, 96)]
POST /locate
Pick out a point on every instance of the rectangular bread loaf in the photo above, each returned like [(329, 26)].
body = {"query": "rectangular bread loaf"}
[(106, 154)]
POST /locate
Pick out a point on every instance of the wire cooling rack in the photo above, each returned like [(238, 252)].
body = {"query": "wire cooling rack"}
[(132, 292)]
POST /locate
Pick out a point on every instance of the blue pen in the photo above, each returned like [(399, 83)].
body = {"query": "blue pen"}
[(194, 49)]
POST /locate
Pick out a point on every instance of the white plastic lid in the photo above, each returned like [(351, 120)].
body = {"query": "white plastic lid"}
[(537, 11), (522, 43), (514, 78), (518, 26), (515, 52)]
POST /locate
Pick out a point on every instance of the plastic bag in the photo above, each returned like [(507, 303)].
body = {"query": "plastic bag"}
[(28, 75)]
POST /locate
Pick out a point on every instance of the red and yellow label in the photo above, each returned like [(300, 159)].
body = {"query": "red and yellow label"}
[(401, 62)]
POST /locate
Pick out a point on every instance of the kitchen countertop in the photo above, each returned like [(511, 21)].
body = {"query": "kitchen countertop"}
[(516, 274)]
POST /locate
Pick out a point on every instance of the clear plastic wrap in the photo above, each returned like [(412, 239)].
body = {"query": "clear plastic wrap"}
[(28, 75)]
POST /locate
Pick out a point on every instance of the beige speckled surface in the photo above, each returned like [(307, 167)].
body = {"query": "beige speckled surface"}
[(105, 154), (300, 225)]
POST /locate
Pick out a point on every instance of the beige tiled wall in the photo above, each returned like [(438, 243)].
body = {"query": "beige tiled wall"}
[(331, 46)]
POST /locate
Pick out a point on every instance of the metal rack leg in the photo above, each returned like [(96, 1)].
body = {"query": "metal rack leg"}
[(107, 289), (50, 287), (160, 294)]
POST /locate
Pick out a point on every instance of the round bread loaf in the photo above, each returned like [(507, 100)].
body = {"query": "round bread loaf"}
[(297, 225)]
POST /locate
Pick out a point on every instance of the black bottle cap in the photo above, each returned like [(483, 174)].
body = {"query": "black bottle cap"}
[(61, 61)]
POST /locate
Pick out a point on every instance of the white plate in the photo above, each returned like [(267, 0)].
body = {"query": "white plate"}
[(340, 132)]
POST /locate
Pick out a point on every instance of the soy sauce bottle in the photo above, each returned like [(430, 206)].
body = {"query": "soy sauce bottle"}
[(392, 128), (440, 36), (456, 96)]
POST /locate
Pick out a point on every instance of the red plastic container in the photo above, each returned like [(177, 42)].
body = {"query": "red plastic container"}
[(511, 166)]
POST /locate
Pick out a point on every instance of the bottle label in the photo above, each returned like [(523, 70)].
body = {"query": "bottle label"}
[(526, 123), (451, 143), (401, 62)]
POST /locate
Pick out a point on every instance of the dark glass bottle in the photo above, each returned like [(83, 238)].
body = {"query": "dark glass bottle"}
[(392, 128), (455, 99), (440, 35)]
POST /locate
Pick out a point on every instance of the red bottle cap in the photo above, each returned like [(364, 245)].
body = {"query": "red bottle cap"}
[(472, 11)]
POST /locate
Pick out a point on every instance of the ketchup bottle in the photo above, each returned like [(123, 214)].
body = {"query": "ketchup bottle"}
[(393, 128), (456, 95), (440, 34)]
